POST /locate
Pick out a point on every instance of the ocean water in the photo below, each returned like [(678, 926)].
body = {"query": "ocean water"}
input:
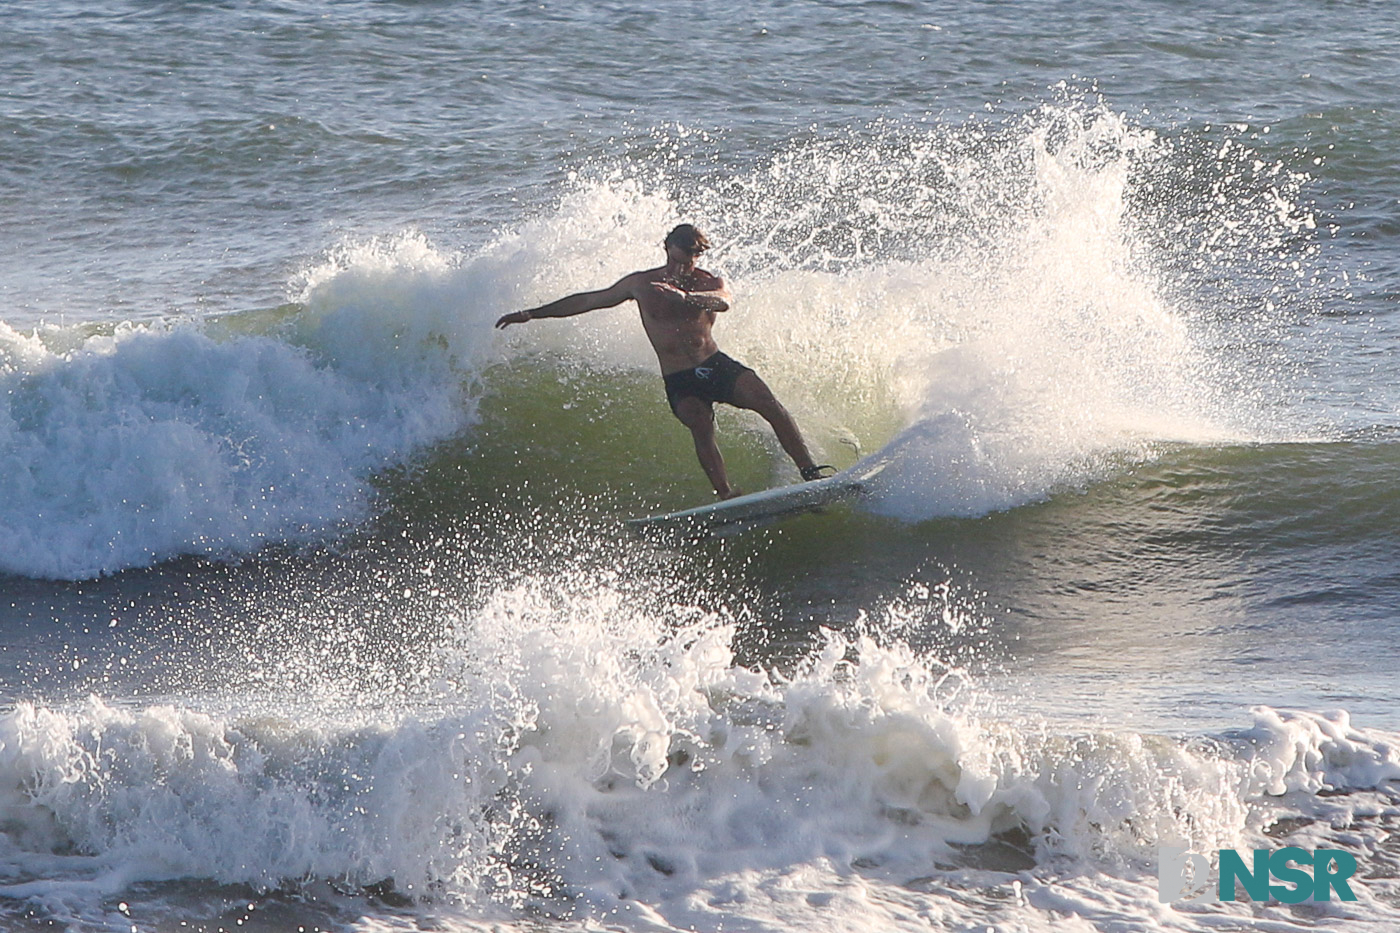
[(319, 612)]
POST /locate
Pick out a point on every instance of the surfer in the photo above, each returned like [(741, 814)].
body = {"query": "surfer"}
[(678, 303)]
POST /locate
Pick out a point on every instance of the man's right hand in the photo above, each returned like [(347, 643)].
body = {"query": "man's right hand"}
[(515, 317)]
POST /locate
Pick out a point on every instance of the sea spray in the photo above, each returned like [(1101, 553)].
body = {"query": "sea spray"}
[(581, 753), (1004, 303)]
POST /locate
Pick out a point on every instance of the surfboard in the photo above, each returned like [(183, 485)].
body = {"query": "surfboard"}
[(760, 508)]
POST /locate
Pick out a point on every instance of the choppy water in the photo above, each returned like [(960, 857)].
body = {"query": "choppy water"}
[(318, 610)]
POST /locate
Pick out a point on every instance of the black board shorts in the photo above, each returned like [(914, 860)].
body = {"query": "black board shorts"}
[(711, 381)]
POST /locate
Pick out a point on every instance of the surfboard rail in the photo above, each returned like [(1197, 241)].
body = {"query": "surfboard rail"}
[(760, 508)]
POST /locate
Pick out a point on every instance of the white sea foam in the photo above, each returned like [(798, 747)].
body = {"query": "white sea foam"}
[(125, 448), (576, 754), (150, 443)]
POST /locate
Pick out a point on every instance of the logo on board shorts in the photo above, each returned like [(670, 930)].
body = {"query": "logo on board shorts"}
[(704, 372)]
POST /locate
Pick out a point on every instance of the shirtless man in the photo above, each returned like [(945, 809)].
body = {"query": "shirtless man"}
[(678, 302)]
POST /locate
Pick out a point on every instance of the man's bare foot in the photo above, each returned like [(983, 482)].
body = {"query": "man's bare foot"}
[(731, 493)]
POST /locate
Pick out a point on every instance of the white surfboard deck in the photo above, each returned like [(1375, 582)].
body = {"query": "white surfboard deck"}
[(759, 508)]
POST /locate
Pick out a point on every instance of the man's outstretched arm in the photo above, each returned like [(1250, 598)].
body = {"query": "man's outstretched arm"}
[(570, 305)]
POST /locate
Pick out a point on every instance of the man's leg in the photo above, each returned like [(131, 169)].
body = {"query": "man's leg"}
[(699, 416), (753, 393)]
